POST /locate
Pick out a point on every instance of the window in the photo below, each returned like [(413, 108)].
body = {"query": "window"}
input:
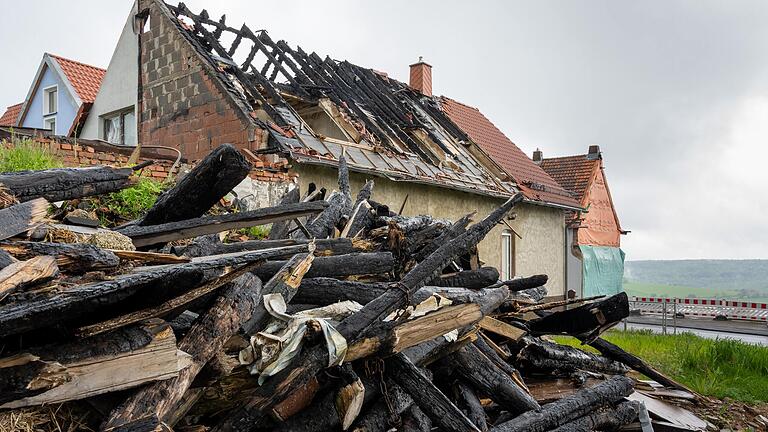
[(120, 128), (50, 100), (50, 123), (507, 255)]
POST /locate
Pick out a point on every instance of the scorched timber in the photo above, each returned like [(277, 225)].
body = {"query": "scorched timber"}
[(586, 321), (279, 229), (569, 408), (89, 367), (189, 228), (472, 279), (323, 247), (547, 356), (206, 337), (469, 403), (609, 418), (70, 257), (20, 218), (79, 301), (23, 274), (62, 184), (354, 264), (195, 193)]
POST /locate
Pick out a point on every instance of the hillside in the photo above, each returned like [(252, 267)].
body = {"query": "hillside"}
[(744, 279)]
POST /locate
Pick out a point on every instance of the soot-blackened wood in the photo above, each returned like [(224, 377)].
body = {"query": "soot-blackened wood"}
[(20, 218), (569, 408), (314, 359), (586, 321), (146, 424), (416, 420), (323, 247), (615, 353), (361, 217), (469, 403), (61, 184), (6, 259), (285, 282), (608, 418), (195, 193), (199, 246), (206, 337), (541, 355), (324, 291), (428, 397), (339, 204), (370, 263), (280, 229), (76, 302), (493, 356), (525, 283), (379, 417), (455, 230), (70, 257), (189, 228), (478, 370), (472, 279)]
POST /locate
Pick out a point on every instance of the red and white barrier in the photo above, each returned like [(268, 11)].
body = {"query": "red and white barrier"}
[(731, 309)]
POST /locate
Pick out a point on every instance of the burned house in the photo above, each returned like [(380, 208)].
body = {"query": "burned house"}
[(595, 261), (201, 82)]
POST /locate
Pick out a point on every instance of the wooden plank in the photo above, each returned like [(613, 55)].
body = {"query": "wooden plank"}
[(149, 257), (502, 329), (20, 218), (24, 273), (61, 184)]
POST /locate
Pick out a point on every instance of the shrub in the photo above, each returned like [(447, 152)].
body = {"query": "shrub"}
[(26, 154), (129, 203)]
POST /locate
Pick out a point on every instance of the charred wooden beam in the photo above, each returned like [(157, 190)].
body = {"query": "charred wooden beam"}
[(361, 217), (586, 321), (323, 247), (325, 290), (62, 184), (380, 416), (70, 257), (6, 259), (206, 337), (189, 228), (23, 274), (472, 279), (212, 178), (525, 283), (339, 204), (416, 420), (569, 408), (469, 403), (20, 218), (541, 355), (279, 229), (608, 418), (455, 230), (354, 264)]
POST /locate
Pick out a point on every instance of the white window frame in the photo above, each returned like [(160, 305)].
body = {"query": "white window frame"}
[(46, 108), (104, 119), (47, 124), (507, 255)]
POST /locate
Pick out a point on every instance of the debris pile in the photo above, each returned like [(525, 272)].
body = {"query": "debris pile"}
[(348, 317)]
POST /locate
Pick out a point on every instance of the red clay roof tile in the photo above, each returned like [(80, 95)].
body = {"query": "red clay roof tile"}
[(532, 180), (10, 115), (572, 172), (86, 79)]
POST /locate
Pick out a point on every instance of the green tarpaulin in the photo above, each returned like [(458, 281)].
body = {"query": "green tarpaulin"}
[(603, 270)]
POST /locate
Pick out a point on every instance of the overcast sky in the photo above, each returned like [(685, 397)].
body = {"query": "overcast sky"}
[(674, 92)]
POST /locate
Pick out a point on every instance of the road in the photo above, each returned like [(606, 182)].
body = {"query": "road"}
[(749, 332)]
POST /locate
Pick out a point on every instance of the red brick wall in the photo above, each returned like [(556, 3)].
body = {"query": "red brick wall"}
[(180, 105)]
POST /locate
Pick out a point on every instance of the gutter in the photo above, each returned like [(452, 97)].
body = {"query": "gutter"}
[(552, 205)]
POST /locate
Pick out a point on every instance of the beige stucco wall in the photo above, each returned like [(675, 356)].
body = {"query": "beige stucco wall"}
[(541, 249)]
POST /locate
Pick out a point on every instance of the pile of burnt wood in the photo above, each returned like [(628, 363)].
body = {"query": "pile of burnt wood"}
[(349, 317)]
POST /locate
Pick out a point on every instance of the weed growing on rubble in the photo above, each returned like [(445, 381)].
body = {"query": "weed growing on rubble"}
[(720, 368), (25, 154), (129, 203)]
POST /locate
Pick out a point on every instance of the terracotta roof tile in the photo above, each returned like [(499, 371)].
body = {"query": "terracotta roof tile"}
[(572, 172), (86, 79), (10, 115), (532, 180)]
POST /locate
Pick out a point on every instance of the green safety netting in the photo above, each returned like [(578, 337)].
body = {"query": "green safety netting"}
[(603, 270)]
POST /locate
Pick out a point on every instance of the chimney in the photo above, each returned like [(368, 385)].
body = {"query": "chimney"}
[(421, 77), (538, 156), (594, 152)]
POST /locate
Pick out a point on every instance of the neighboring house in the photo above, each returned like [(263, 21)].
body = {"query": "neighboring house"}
[(595, 260), (295, 113), (10, 115), (60, 96)]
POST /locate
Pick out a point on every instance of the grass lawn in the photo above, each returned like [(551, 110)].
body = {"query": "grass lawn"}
[(719, 368), (643, 289)]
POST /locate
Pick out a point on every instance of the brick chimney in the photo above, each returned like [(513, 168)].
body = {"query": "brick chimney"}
[(538, 156), (421, 77), (594, 152)]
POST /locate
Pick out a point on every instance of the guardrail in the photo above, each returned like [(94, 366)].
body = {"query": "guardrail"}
[(714, 308)]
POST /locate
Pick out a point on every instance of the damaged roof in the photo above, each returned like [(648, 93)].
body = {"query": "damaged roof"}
[(382, 126)]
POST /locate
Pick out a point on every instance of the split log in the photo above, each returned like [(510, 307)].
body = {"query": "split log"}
[(189, 228), (469, 403), (586, 321), (471, 279), (206, 337), (323, 247), (81, 369), (501, 328), (314, 359), (279, 229), (362, 216), (76, 302), (349, 398), (20, 218), (569, 408), (609, 418), (71, 257), (478, 370), (428, 397), (212, 178), (23, 274), (525, 283), (62, 184), (613, 352), (541, 355)]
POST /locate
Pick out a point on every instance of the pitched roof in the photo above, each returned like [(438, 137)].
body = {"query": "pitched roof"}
[(533, 181), (10, 115), (572, 172), (85, 79)]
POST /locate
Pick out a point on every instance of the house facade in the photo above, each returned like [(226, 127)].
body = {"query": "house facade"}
[(595, 261), (295, 113), (59, 98)]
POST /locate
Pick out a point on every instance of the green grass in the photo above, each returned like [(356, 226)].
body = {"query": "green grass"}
[(719, 368), (25, 154), (129, 203), (259, 232)]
